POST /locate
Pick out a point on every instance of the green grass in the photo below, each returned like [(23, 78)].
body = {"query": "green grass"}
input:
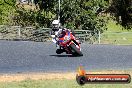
[(116, 34), (114, 27), (64, 83)]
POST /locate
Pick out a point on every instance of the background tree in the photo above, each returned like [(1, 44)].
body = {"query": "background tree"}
[(75, 14), (122, 10), (83, 14), (7, 8)]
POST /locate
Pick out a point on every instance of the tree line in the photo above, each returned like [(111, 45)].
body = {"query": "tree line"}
[(74, 14)]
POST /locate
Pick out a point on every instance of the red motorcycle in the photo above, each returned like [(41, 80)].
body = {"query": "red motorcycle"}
[(69, 44)]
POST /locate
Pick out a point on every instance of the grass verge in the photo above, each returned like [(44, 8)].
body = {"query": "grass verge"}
[(56, 80), (64, 83), (116, 34)]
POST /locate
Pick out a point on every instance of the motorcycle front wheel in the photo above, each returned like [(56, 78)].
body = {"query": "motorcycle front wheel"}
[(76, 51)]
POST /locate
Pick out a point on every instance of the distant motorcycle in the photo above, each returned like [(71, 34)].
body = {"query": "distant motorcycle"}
[(69, 44)]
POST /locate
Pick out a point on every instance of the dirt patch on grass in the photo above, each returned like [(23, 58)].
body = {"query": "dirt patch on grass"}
[(51, 76), (35, 76)]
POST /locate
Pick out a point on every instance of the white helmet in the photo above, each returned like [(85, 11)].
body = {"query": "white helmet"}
[(55, 25), (55, 22)]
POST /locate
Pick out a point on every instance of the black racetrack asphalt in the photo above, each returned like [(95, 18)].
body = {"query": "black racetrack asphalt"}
[(25, 56)]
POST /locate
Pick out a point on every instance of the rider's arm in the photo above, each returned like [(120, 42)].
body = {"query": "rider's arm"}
[(52, 33), (54, 36)]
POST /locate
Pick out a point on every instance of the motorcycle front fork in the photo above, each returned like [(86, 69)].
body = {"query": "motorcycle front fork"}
[(64, 49)]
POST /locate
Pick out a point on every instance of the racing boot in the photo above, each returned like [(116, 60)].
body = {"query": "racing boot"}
[(59, 51)]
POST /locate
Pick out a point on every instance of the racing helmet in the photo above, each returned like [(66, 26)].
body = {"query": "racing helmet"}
[(55, 25)]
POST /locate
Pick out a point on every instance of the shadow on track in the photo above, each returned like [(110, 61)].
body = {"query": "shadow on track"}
[(63, 55)]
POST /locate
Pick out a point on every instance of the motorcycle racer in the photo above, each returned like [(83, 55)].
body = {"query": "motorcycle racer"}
[(58, 32)]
